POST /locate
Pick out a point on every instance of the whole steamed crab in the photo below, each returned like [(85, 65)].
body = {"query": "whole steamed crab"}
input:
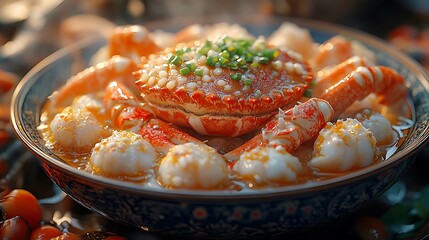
[(161, 101)]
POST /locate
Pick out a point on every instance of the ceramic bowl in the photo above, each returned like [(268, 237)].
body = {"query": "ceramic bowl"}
[(268, 212)]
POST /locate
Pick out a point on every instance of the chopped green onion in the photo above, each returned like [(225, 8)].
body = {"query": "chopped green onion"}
[(241, 51), (263, 60), (223, 60), (248, 57), (184, 71), (248, 82), (233, 65), (191, 66), (180, 52), (174, 59), (211, 61), (235, 54), (206, 48), (225, 54), (199, 72), (270, 53), (255, 65), (235, 76), (308, 93), (235, 57), (241, 61)]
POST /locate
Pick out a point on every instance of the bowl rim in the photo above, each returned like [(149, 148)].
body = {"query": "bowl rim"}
[(381, 45)]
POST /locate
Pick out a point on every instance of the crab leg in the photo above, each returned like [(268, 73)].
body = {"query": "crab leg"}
[(336, 74), (331, 52), (126, 111), (91, 80), (291, 128), (133, 42), (388, 84), (304, 121), (163, 136)]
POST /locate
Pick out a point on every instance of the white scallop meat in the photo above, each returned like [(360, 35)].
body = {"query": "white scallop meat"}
[(344, 146), (380, 127), (77, 127), (123, 153), (265, 165), (193, 166)]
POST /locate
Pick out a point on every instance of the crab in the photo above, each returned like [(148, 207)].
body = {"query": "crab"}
[(228, 86)]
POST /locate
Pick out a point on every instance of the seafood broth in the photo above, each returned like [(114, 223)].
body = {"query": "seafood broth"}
[(215, 108)]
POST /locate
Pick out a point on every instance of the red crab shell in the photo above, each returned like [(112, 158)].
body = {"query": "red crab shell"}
[(216, 105)]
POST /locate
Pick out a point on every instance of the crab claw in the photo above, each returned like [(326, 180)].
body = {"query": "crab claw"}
[(163, 136), (291, 128), (332, 52), (386, 83), (91, 80), (132, 41), (126, 111)]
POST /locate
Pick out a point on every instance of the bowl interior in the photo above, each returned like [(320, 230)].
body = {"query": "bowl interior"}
[(52, 72)]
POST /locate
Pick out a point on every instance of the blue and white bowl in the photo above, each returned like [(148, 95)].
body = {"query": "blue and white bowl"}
[(268, 212)]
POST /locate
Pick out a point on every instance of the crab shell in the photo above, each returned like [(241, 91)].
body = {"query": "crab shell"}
[(216, 105)]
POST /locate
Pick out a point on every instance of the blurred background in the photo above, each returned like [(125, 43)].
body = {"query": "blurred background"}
[(30, 30)]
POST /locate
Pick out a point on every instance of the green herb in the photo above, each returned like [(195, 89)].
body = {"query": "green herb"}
[(234, 54), (191, 66), (248, 82), (184, 71), (211, 61), (174, 59), (199, 72), (235, 76), (308, 93)]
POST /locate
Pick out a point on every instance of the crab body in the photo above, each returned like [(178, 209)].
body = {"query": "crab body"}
[(224, 88)]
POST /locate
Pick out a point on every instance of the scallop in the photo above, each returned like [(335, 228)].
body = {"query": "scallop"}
[(380, 127), (193, 166), (77, 127), (344, 146), (123, 153), (88, 102), (266, 165)]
